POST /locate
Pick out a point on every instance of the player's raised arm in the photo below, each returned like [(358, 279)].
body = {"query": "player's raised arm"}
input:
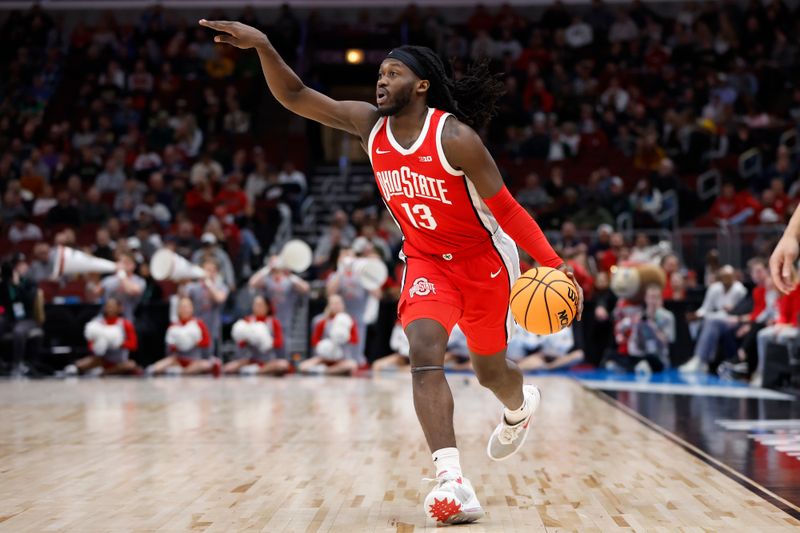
[(465, 151), (351, 116)]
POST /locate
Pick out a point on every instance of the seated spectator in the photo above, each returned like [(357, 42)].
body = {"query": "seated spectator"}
[(103, 246), (24, 230), (719, 302), (40, 267), (259, 338), (763, 312), (44, 202), (188, 346), (532, 195), (93, 210), (112, 178), (111, 338), (647, 203), (334, 343), (644, 336), (544, 352), (64, 212), (733, 207), (785, 331)]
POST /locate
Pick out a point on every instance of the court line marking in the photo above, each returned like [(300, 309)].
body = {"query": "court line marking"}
[(754, 487), (689, 390)]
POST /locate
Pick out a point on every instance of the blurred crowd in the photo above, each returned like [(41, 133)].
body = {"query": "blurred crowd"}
[(122, 138)]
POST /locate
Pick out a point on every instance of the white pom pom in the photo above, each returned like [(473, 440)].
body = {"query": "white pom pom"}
[(341, 325), (241, 331), (262, 338), (184, 337), (329, 351), (92, 330), (100, 346), (115, 336)]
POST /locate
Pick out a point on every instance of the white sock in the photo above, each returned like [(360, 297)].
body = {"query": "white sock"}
[(446, 460), (517, 415)]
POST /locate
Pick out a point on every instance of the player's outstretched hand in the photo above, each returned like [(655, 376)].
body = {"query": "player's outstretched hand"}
[(781, 264), (566, 269), (235, 33)]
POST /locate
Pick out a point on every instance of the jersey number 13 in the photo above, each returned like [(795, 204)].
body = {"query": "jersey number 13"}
[(420, 216)]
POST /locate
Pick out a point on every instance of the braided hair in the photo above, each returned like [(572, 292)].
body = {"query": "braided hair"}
[(472, 99)]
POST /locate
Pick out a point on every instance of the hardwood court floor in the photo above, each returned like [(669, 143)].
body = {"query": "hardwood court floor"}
[(344, 455)]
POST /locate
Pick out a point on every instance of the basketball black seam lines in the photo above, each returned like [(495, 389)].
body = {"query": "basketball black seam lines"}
[(525, 287), (527, 309), (547, 309), (575, 308)]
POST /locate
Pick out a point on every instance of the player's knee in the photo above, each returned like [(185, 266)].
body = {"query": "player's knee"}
[(427, 353)]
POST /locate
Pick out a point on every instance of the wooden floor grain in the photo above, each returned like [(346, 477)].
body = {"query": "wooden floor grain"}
[(337, 455)]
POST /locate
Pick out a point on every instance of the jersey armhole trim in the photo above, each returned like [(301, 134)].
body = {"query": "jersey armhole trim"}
[(372, 135), (440, 150)]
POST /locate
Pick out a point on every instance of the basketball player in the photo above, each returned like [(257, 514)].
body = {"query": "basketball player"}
[(782, 264), (442, 187)]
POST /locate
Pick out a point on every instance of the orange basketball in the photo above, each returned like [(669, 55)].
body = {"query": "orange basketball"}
[(544, 300)]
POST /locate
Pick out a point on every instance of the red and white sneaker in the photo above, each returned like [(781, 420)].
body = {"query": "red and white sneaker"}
[(452, 501), (506, 439)]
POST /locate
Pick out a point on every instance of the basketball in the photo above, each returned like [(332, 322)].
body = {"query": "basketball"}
[(544, 300)]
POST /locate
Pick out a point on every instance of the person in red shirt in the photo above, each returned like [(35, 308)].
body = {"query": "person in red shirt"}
[(258, 338), (461, 227), (733, 207), (785, 330), (231, 197), (188, 342), (111, 339)]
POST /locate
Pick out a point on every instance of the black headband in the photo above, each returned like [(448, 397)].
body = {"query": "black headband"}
[(410, 61)]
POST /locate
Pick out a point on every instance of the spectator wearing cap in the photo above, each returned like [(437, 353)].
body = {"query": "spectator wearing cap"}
[(21, 314), (209, 247), (24, 230)]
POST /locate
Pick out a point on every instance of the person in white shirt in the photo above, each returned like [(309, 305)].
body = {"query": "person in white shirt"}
[(579, 34), (720, 299), (22, 230)]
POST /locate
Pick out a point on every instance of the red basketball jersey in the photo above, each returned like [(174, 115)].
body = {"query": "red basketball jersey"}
[(437, 208)]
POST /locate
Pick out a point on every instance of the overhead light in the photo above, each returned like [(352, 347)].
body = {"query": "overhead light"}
[(354, 56)]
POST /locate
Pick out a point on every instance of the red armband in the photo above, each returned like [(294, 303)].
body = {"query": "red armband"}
[(522, 228)]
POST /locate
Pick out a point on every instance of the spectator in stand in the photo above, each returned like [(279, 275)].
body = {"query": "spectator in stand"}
[(40, 267), (111, 339), (647, 334), (742, 353), (206, 169), (93, 209), (24, 230), (720, 300), (544, 352), (112, 178), (647, 204), (784, 331), (64, 213), (103, 246), (732, 207)]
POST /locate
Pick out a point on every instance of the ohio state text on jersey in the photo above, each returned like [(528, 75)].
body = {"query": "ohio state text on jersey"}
[(436, 207)]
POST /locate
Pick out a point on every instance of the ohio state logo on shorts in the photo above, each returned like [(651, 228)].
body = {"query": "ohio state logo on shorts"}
[(422, 287)]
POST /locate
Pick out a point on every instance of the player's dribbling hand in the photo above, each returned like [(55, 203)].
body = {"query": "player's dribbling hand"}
[(781, 264), (238, 34), (566, 269)]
